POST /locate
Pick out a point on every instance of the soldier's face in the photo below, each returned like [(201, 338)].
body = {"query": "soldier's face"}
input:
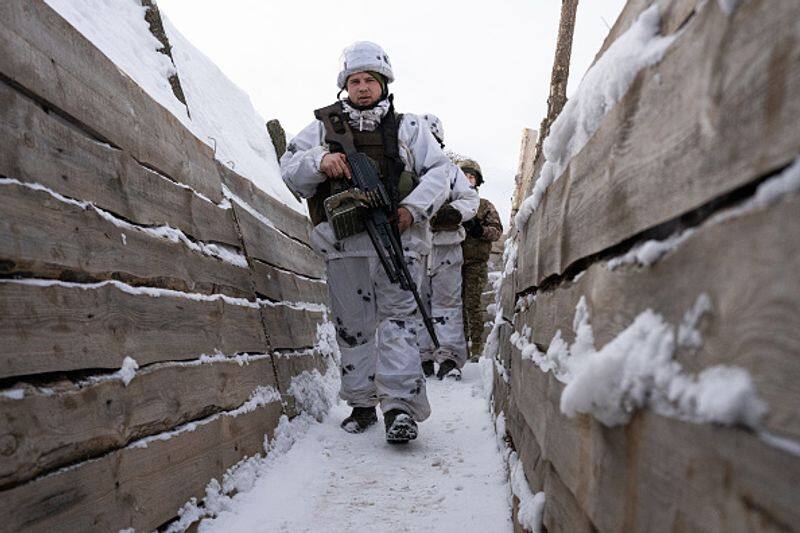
[(473, 181), (363, 89)]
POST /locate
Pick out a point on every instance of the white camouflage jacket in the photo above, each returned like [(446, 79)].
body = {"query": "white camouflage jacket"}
[(421, 154), (465, 199)]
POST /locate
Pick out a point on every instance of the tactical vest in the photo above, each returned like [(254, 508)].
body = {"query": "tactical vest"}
[(379, 145)]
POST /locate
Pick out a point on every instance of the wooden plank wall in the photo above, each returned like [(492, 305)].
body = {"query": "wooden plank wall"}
[(688, 143), (117, 240)]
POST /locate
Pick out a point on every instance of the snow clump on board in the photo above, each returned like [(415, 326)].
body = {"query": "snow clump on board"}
[(636, 370), (602, 87)]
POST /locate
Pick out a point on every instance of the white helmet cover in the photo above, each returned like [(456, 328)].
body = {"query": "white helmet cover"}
[(435, 125), (361, 56)]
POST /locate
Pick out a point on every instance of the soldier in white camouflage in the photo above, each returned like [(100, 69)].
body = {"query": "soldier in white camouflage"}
[(377, 322), (441, 288), (482, 230)]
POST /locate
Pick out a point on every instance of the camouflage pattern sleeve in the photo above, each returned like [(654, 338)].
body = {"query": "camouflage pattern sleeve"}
[(492, 227)]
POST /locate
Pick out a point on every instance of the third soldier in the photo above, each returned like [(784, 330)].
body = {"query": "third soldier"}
[(482, 231)]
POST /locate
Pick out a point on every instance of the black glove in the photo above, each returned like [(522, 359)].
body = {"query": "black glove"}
[(447, 218), (474, 228)]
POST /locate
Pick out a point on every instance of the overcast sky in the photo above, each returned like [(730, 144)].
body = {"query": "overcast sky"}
[(482, 67)]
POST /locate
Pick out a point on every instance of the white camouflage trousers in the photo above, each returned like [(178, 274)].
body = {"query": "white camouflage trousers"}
[(441, 291), (377, 324)]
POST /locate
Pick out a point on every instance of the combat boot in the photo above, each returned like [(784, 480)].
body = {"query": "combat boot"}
[(400, 427), (360, 419), (427, 368), (448, 367)]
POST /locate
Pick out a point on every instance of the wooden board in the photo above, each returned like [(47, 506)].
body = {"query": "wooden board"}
[(44, 237), (527, 154), (56, 328), (288, 366), (658, 474), (508, 296), (500, 394), (48, 57), (283, 286), (674, 14), (694, 127), (527, 447), (140, 488), (272, 247), (44, 431), (291, 328), (40, 147), (286, 219), (506, 330), (755, 321), (561, 510)]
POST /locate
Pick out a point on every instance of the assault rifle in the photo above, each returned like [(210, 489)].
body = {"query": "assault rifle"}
[(379, 208)]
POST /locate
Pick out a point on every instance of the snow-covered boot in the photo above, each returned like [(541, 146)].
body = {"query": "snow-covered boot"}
[(427, 368), (400, 427), (360, 419), (448, 368)]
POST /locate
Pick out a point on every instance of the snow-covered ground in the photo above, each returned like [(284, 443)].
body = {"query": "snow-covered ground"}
[(452, 478)]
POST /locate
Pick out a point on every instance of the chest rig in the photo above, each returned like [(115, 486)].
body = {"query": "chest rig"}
[(381, 146)]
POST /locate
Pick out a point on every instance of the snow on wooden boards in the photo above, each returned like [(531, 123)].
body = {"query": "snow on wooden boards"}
[(748, 266), (48, 57), (674, 14), (290, 365), (273, 247), (40, 147), (139, 487), (61, 328), (48, 237), (62, 423), (718, 112), (290, 328), (562, 512), (281, 285), (656, 473), (282, 216)]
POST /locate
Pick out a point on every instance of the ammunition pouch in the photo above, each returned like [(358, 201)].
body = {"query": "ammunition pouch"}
[(345, 212)]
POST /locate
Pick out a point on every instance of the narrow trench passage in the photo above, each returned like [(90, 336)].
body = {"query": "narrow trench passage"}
[(452, 478)]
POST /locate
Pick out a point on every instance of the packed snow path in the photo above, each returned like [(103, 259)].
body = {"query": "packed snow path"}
[(452, 478)]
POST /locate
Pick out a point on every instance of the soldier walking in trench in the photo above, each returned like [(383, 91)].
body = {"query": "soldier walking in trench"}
[(481, 231), (377, 322), (441, 284)]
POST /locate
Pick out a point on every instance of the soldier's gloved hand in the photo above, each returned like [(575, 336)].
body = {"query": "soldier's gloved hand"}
[(474, 228), (447, 218)]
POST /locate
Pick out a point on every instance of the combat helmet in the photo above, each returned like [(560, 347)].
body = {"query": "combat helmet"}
[(471, 166), (363, 56)]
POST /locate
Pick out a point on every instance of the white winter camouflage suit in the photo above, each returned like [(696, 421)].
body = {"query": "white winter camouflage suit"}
[(377, 322), (441, 286)]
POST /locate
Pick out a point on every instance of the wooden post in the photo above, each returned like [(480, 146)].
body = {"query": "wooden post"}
[(278, 136), (560, 75), (527, 151)]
